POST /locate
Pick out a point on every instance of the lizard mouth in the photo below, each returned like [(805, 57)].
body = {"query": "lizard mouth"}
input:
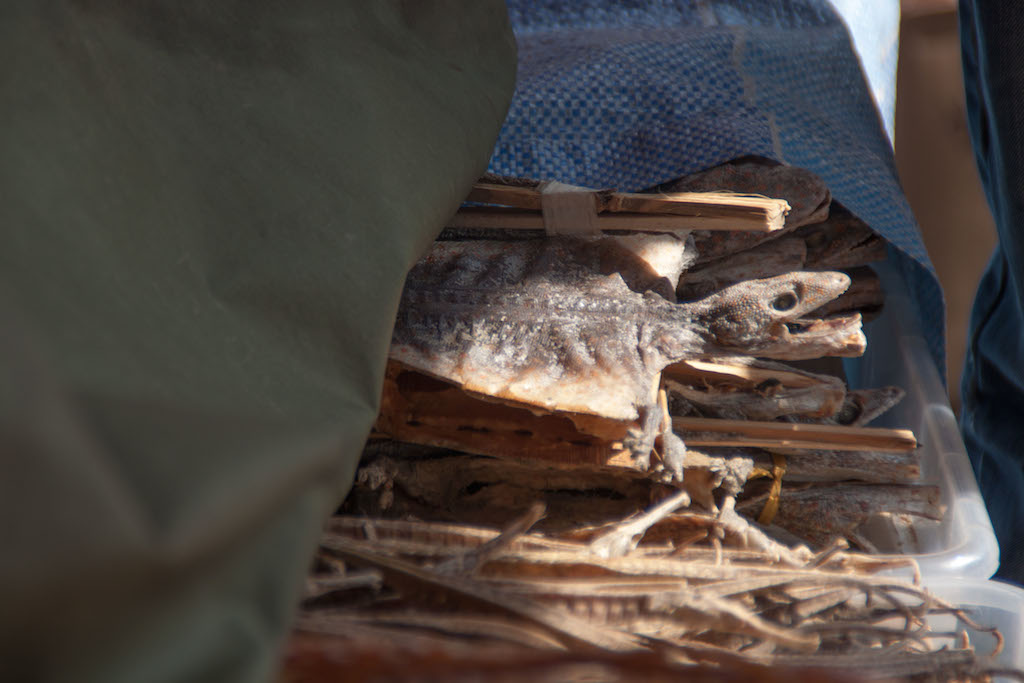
[(804, 338)]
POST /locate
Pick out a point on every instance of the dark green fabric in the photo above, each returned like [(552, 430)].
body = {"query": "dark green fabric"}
[(207, 210)]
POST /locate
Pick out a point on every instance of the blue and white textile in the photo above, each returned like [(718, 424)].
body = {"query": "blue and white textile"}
[(630, 94)]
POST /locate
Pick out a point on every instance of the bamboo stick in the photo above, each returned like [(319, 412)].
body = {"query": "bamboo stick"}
[(700, 431), (655, 212), (520, 219)]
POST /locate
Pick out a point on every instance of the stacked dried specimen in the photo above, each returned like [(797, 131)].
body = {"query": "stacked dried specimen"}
[(657, 355), (590, 464), (567, 324)]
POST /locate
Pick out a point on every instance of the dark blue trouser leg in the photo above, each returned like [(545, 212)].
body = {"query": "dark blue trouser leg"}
[(992, 419), (993, 382)]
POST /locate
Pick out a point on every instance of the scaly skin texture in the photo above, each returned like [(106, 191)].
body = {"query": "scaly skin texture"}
[(553, 324)]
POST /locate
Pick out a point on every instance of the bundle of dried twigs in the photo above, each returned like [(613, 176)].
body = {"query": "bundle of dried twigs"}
[(414, 600)]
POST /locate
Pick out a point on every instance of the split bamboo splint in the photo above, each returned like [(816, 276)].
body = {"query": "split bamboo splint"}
[(516, 207)]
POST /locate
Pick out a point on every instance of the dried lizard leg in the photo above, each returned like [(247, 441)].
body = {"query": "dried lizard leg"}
[(471, 561), (744, 534), (640, 440), (673, 449), (752, 537), (625, 536)]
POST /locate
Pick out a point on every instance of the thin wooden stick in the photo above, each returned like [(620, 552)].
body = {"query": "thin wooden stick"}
[(745, 207), (520, 219), (516, 196), (700, 431)]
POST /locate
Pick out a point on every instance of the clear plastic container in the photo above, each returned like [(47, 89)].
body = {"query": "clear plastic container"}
[(963, 544), (988, 603)]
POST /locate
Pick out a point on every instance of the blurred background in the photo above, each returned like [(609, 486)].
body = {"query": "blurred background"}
[(936, 163)]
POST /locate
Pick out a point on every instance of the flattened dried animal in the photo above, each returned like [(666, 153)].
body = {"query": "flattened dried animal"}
[(821, 513), (751, 389), (561, 324)]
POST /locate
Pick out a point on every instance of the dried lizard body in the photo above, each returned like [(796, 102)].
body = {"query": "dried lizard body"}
[(874, 467), (742, 388), (807, 465), (413, 482), (750, 389), (840, 242), (823, 512), (544, 323), (808, 195), (440, 484), (767, 403)]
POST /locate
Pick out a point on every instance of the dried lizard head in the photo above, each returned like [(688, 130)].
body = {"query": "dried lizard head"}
[(764, 317), (864, 405)]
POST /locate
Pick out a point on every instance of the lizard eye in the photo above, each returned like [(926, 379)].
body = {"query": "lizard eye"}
[(847, 414), (784, 302)]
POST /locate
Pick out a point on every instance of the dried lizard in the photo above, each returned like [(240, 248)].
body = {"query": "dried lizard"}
[(562, 324), (820, 513)]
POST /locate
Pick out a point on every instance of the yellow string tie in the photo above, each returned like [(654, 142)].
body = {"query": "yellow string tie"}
[(771, 506)]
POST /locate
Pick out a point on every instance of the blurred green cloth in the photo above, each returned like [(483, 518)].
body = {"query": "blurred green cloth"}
[(207, 211)]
